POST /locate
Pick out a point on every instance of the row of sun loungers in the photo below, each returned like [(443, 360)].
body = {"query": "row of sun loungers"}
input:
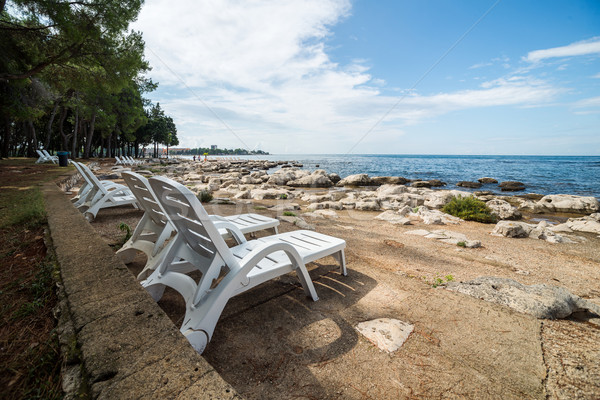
[(127, 160), (178, 236)]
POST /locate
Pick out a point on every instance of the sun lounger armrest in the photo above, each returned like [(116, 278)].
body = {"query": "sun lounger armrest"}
[(231, 228), (261, 251)]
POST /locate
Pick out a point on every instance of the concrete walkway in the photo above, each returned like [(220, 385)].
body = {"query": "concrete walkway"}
[(118, 342)]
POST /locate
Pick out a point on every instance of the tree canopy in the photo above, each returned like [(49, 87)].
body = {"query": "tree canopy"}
[(72, 78)]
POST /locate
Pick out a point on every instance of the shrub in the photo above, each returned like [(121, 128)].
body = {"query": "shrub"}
[(469, 209), (289, 214), (205, 196)]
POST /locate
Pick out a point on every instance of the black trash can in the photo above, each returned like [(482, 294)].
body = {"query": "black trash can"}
[(63, 158)]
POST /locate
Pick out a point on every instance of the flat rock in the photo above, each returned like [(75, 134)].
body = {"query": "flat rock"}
[(387, 334), (511, 186), (541, 301), (393, 217), (570, 203), (469, 184), (487, 180)]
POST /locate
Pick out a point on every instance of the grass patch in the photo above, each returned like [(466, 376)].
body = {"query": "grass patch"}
[(30, 359), (205, 196), (469, 209), (289, 214)]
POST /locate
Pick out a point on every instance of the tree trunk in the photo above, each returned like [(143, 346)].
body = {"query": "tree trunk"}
[(75, 132), (6, 137), (65, 138), (33, 144), (89, 136), (49, 125), (108, 147)]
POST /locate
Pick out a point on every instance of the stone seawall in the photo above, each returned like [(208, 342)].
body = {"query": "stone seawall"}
[(116, 341)]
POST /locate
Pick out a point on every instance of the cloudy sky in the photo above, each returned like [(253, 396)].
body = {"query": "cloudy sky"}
[(394, 77)]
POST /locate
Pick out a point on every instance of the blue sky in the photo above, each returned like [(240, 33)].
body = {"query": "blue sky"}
[(388, 77)]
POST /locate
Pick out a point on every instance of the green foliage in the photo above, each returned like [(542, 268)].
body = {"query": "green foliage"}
[(461, 244), (125, 228), (289, 214), (469, 209), (440, 281), (205, 196), (283, 196)]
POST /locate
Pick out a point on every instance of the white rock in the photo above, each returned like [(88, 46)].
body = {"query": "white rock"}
[(503, 209), (327, 213), (393, 217), (367, 205), (570, 203), (386, 333), (512, 229)]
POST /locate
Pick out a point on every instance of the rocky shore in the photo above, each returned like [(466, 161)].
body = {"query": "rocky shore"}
[(558, 217), (511, 307)]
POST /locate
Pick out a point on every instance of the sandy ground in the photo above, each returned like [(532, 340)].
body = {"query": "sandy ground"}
[(274, 343)]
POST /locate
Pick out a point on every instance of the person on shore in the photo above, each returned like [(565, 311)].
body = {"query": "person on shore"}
[(194, 158)]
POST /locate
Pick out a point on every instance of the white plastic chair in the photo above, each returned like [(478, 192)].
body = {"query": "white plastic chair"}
[(155, 228), (52, 158), (198, 244), (43, 158), (87, 185), (103, 196)]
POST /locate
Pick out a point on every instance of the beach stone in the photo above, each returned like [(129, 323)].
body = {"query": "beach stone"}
[(302, 224), (503, 210), (355, 180), (512, 229), (487, 180), (316, 198), (439, 198), (590, 223), (435, 217), (469, 184), (446, 236), (318, 178), (285, 207), (312, 215), (529, 206), (333, 177), (387, 192), (367, 205), (388, 180), (387, 334), (393, 218), (428, 184), (542, 301), (262, 194), (327, 213), (570, 203), (511, 186)]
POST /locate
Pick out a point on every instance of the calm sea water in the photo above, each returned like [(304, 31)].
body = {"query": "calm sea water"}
[(579, 175)]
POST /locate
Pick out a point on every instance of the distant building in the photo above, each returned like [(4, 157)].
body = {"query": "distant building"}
[(213, 146)]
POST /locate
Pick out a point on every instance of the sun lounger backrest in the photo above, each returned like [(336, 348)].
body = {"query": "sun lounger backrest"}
[(143, 192), (93, 179), (191, 220)]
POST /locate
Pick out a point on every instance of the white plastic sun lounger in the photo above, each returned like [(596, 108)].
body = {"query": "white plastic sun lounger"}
[(52, 158), (199, 244), (103, 196), (45, 157), (155, 227), (87, 185)]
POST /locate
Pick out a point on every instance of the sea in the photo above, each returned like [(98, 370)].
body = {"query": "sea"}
[(577, 175)]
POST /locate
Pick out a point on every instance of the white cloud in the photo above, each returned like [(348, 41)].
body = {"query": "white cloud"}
[(591, 46), (263, 69), (587, 106)]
